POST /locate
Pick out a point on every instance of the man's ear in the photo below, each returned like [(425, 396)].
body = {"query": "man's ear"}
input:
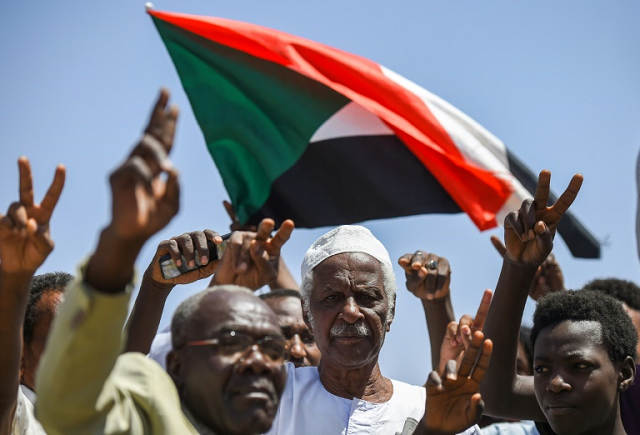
[(392, 314), (627, 373), (174, 368), (305, 317)]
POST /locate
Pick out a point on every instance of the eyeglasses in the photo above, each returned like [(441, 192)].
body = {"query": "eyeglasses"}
[(233, 343)]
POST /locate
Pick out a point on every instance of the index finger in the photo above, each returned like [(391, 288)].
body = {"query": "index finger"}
[(169, 128), (156, 122), (281, 237), (542, 190), (264, 229), (26, 182), (405, 261), (569, 195), (52, 196), (483, 310)]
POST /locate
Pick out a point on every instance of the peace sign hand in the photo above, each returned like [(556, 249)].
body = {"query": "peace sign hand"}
[(25, 241), (529, 232)]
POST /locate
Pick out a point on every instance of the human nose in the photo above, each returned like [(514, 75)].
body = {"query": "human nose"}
[(253, 360), (351, 311), (297, 350), (557, 384)]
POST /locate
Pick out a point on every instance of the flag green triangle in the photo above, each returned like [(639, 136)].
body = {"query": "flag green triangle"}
[(257, 117)]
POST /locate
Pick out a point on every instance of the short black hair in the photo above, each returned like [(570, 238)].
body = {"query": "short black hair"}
[(281, 293), (624, 291), (618, 333), (40, 284)]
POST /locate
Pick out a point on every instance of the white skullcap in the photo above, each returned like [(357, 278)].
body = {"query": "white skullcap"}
[(347, 238)]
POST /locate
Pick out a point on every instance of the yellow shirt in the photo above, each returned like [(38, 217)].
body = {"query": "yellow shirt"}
[(86, 387)]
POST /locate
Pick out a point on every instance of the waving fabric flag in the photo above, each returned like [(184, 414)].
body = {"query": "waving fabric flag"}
[(304, 131)]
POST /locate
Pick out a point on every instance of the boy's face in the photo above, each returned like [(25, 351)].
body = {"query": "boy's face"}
[(575, 382)]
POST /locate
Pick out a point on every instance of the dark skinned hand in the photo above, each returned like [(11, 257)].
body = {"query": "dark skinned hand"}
[(25, 241), (529, 232), (185, 244), (459, 334), (252, 259), (423, 280), (142, 201), (548, 277), (453, 400)]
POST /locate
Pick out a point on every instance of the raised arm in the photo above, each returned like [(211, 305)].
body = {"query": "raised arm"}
[(529, 234), (75, 392), (154, 289), (25, 243), (428, 278)]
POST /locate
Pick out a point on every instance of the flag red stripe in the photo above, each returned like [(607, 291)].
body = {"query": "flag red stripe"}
[(477, 191)]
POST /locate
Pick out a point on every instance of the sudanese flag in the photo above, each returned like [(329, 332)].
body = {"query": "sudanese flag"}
[(303, 131)]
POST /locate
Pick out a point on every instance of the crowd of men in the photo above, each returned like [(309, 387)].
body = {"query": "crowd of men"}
[(296, 360)]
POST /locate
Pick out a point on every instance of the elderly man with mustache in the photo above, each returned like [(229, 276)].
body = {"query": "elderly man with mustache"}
[(348, 296)]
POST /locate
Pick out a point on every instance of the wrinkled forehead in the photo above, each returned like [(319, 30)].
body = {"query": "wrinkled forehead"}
[(224, 310)]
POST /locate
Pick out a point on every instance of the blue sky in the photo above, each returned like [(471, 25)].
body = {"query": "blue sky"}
[(556, 81)]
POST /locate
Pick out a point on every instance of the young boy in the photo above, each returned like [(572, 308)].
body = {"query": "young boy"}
[(583, 348), (584, 351)]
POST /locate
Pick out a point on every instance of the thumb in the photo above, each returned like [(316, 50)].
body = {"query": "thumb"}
[(497, 243), (544, 241), (39, 235)]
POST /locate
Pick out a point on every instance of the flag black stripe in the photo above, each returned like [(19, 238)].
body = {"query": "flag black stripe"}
[(353, 179)]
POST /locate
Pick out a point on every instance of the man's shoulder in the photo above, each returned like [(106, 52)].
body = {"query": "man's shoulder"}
[(142, 375), (142, 383)]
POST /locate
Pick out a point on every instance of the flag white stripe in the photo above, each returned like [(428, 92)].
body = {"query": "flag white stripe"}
[(351, 120)]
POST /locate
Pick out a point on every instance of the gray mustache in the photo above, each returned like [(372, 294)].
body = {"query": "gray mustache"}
[(347, 329)]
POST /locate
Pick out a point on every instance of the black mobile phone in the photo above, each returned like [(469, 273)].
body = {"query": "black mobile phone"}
[(170, 270)]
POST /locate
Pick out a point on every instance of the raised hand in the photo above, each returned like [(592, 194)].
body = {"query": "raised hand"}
[(428, 276), (529, 232), (252, 259), (453, 400), (145, 197), (548, 278), (458, 337), (185, 244), (142, 202), (25, 241), (154, 289)]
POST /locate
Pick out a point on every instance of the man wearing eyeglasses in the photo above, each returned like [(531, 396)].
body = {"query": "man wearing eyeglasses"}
[(228, 361)]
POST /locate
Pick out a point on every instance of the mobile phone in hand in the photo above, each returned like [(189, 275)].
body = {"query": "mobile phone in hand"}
[(170, 270)]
